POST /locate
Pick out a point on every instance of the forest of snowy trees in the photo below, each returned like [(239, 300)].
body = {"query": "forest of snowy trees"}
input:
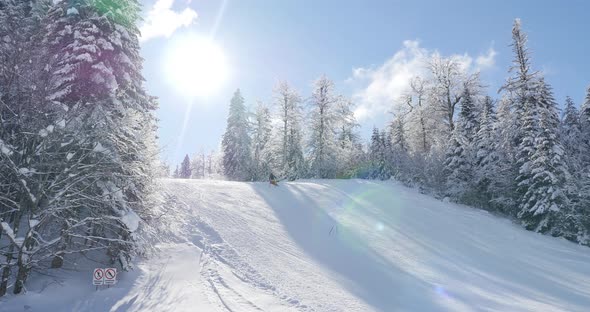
[(77, 135), (513, 155), (79, 155)]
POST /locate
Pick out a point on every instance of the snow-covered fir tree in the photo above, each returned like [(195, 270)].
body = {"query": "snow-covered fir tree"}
[(185, 170), (544, 202), (88, 169), (468, 115), (571, 138), (488, 157), (96, 81), (400, 147), (380, 155), (519, 113), (461, 153), (458, 169), (585, 129), (236, 142)]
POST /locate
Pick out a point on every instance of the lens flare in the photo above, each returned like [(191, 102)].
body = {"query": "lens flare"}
[(195, 66)]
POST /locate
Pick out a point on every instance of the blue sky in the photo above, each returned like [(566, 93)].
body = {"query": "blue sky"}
[(362, 45)]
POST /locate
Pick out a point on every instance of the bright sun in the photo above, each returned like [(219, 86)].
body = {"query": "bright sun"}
[(195, 66)]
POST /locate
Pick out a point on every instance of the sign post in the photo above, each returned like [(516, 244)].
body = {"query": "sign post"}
[(98, 277), (110, 276)]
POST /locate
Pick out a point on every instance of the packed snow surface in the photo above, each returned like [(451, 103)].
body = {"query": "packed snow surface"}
[(331, 245)]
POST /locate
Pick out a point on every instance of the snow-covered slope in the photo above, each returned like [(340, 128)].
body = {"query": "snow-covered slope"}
[(336, 245)]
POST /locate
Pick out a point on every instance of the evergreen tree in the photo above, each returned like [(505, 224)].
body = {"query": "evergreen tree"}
[(573, 224), (399, 148), (379, 156), (571, 137), (521, 97), (236, 142), (521, 87), (387, 156), (488, 161), (91, 131), (457, 167), (468, 115), (585, 129), (461, 154), (94, 61), (544, 201), (185, 168), (398, 133), (583, 206)]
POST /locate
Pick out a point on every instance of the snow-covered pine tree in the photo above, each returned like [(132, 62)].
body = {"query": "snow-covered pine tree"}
[(377, 156), (261, 143), (584, 203), (519, 113), (457, 168), (236, 141), (468, 114), (176, 173), (522, 86), (585, 129), (487, 166), (322, 129), (185, 168), (387, 155), (506, 198), (398, 133), (399, 148), (461, 153), (571, 138), (544, 203), (92, 50), (525, 151), (578, 200)]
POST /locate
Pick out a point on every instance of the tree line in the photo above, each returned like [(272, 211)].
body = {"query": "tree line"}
[(514, 155)]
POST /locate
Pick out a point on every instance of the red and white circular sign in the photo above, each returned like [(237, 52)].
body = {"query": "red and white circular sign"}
[(98, 276)]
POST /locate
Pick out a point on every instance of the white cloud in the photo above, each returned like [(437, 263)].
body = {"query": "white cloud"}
[(383, 85), (378, 88), (163, 21), (488, 60)]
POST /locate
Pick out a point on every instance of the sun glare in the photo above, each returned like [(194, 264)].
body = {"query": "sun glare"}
[(195, 66)]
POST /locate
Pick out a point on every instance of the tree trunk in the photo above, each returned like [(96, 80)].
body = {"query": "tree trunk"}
[(6, 271), (58, 260), (21, 276)]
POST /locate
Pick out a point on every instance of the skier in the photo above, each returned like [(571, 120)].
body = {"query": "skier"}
[(273, 180)]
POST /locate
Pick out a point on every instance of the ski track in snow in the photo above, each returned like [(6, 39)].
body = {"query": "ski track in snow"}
[(390, 248), (330, 245)]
